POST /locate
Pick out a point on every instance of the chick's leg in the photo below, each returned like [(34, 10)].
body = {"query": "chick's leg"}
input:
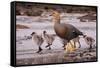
[(40, 49)]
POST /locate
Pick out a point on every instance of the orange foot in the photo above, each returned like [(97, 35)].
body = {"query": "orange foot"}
[(69, 48)]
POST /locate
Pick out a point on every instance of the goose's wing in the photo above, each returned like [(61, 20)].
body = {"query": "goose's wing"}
[(73, 29)]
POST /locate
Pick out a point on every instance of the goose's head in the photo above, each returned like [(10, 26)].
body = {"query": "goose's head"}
[(56, 16), (54, 13), (33, 33), (44, 32)]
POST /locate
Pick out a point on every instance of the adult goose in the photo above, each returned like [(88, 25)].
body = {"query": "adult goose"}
[(66, 32)]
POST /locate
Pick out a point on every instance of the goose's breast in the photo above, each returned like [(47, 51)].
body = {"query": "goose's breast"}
[(61, 31)]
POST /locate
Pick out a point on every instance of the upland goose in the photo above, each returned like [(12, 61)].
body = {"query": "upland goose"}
[(38, 40), (89, 40), (64, 31), (49, 39)]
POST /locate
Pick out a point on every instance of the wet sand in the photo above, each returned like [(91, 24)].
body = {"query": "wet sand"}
[(55, 56)]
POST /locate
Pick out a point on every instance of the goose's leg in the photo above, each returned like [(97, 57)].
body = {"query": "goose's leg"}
[(49, 48), (64, 44), (47, 45), (90, 46), (40, 49), (79, 44), (64, 47), (74, 44), (71, 44), (72, 48)]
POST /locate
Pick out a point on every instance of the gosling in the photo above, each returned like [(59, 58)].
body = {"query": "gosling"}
[(38, 40), (89, 40), (49, 39)]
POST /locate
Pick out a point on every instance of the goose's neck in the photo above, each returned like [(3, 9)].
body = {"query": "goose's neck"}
[(56, 20)]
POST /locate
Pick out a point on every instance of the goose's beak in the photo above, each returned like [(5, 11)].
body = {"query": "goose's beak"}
[(51, 14)]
